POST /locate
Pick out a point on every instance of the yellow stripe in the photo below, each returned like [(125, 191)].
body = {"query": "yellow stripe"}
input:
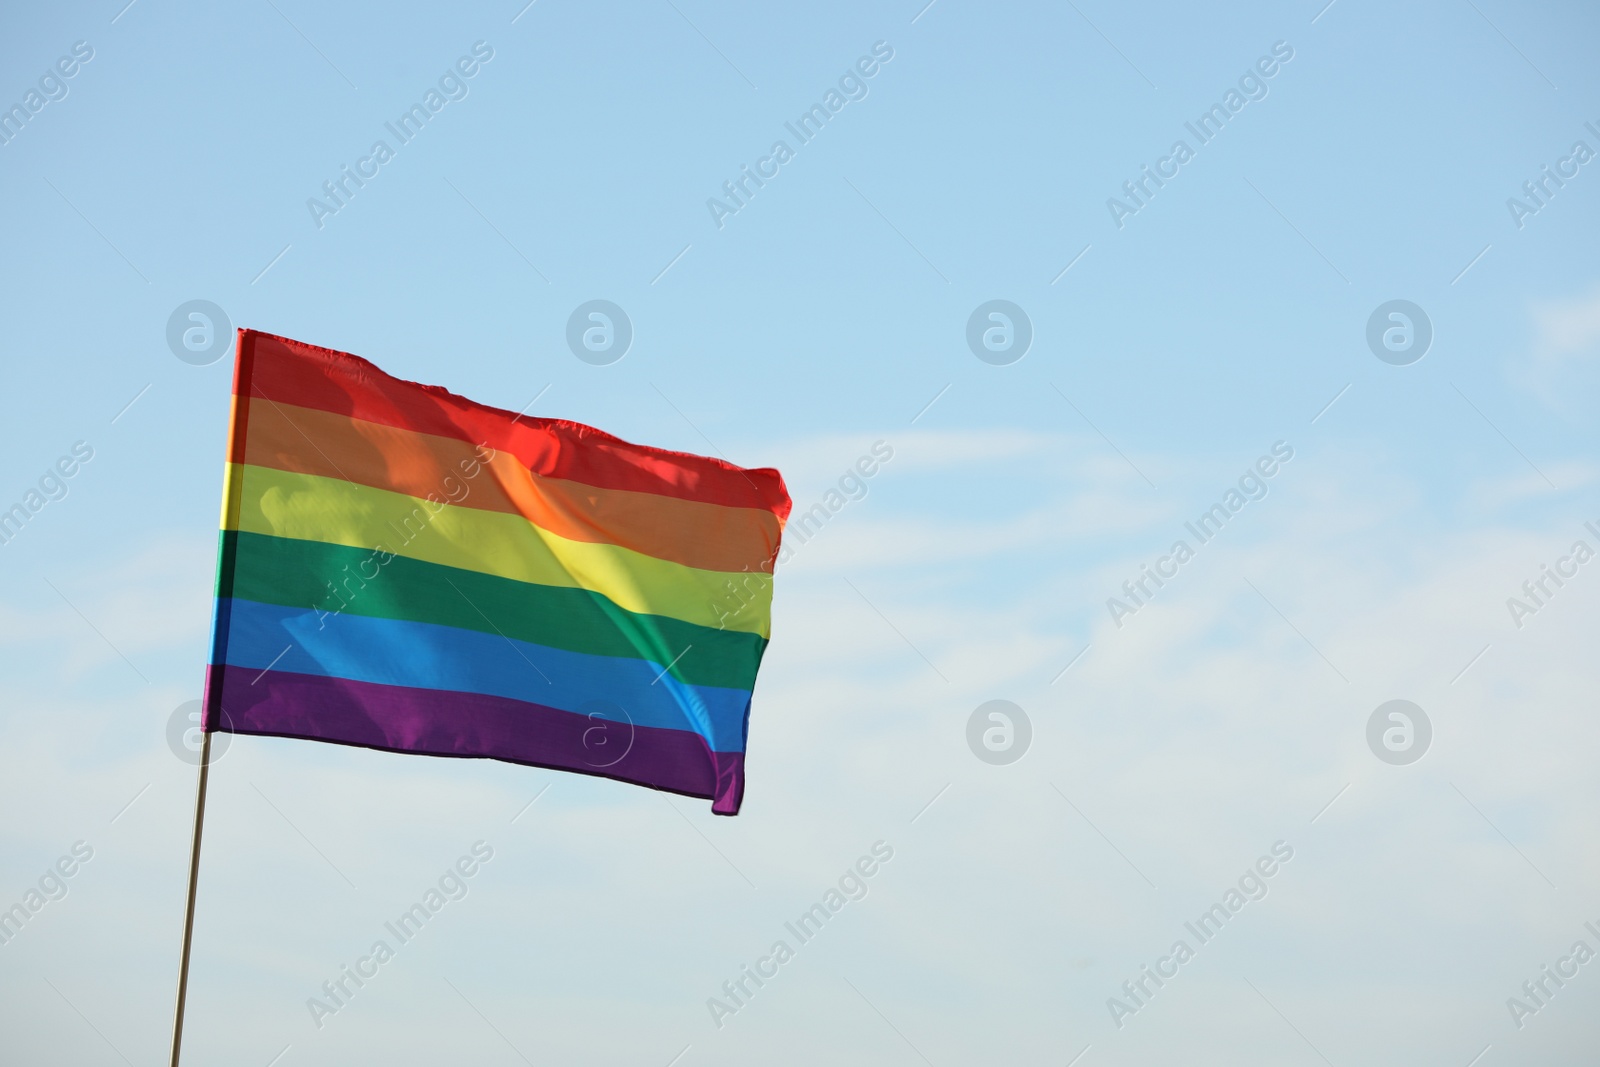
[(333, 511)]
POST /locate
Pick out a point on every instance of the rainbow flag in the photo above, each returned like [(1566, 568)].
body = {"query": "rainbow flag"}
[(404, 569)]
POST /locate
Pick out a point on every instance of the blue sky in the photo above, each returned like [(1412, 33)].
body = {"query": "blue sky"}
[(1171, 747)]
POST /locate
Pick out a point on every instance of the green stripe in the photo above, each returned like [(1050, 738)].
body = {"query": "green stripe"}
[(296, 573)]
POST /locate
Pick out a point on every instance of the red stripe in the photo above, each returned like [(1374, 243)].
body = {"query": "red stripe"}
[(244, 358), (292, 372)]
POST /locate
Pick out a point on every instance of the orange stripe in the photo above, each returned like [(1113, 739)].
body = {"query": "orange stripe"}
[(696, 534)]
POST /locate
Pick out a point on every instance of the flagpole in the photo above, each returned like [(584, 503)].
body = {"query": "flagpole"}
[(194, 880)]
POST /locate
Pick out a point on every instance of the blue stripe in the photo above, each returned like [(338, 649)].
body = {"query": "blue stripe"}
[(427, 656)]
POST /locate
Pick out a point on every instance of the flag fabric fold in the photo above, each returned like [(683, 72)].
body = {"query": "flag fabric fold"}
[(404, 569)]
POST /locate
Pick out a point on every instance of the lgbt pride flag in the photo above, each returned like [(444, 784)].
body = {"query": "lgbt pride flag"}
[(404, 569)]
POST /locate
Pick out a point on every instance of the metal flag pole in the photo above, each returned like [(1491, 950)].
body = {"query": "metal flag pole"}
[(194, 880)]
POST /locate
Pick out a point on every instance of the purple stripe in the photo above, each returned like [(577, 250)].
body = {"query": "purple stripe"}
[(437, 722)]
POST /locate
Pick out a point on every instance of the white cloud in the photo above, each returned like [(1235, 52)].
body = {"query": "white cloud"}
[(1192, 738), (1562, 365), (1569, 328)]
